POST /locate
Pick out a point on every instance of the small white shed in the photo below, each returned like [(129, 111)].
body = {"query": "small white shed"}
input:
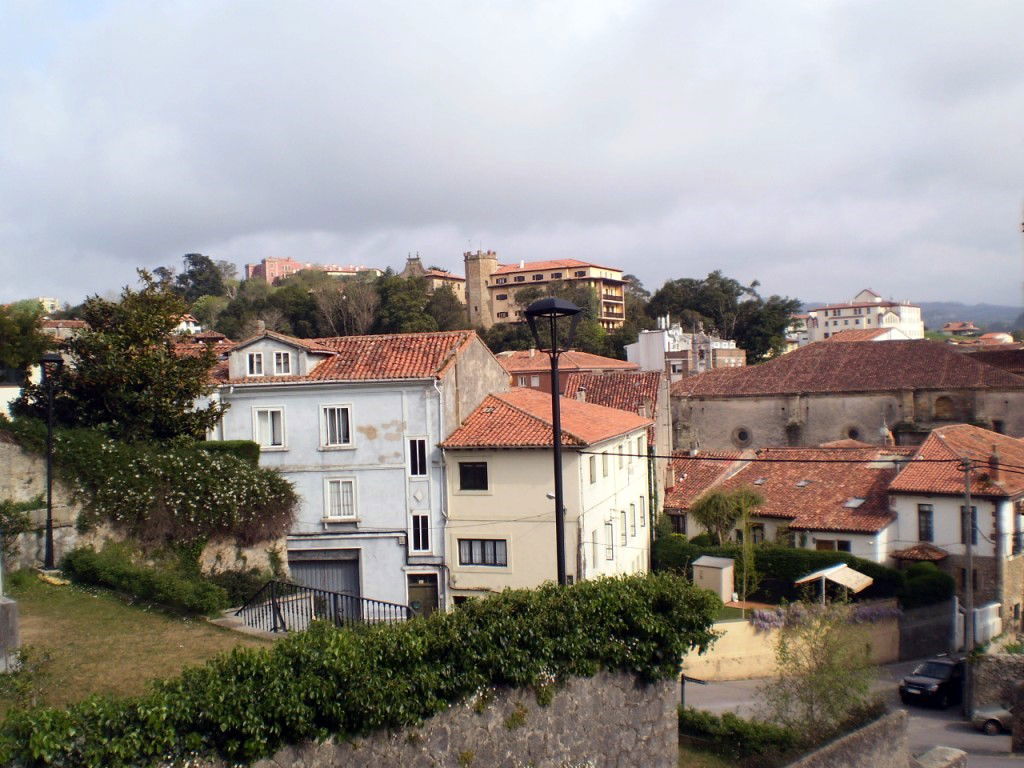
[(716, 574)]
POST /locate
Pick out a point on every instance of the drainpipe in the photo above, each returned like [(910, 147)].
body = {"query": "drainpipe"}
[(442, 597), (652, 496)]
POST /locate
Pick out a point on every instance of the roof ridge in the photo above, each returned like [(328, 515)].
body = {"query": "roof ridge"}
[(535, 417)]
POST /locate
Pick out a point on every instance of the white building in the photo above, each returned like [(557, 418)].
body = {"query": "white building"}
[(501, 518), (867, 310), (354, 423), (671, 350)]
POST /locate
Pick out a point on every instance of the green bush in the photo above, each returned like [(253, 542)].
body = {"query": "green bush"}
[(240, 584), (926, 585), (113, 567), (737, 739), (247, 450), (779, 566), (247, 704)]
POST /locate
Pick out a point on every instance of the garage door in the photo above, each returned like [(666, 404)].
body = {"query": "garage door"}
[(333, 570)]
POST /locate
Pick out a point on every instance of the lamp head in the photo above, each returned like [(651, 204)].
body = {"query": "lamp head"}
[(52, 358), (546, 314)]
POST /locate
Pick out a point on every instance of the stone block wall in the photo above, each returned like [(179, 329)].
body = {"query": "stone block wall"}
[(607, 721), (994, 678), (926, 631), (882, 744)]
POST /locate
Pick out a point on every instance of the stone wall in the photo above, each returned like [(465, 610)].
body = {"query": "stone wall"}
[(882, 744), (608, 720), (926, 631), (994, 678)]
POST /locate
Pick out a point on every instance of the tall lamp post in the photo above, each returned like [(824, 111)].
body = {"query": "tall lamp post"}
[(544, 315), (51, 364)]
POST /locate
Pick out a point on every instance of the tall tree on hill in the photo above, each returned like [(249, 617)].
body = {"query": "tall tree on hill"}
[(403, 305), (590, 335), (125, 375), (200, 278), (22, 342), (448, 312), (730, 309), (636, 318)]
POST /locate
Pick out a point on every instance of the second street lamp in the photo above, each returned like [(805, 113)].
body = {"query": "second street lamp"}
[(549, 316), (51, 364)]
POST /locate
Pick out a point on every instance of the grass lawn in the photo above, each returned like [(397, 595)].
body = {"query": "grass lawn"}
[(729, 613), (99, 643)]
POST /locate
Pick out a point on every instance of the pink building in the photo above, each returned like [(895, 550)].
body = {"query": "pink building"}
[(274, 270)]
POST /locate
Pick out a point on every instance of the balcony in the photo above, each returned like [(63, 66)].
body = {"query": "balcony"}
[(612, 297)]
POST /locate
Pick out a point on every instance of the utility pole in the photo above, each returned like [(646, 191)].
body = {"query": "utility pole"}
[(967, 525)]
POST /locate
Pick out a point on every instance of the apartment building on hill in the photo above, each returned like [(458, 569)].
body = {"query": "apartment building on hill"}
[(491, 287), (866, 310)]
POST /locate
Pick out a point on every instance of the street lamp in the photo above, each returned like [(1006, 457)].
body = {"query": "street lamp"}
[(544, 315), (56, 362)]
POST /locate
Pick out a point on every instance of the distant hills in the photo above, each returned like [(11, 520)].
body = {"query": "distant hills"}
[(994, 317)]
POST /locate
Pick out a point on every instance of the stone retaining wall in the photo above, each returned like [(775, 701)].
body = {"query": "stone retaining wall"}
[(609, 720), (994, 678), (882, 744)]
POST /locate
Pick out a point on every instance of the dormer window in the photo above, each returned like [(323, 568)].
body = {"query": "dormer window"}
[(282, 363), (255, 363)]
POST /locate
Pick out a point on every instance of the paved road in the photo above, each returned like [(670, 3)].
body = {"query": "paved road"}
[(927, 727)]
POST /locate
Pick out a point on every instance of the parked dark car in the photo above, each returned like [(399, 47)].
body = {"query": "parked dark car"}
[(938, 681)]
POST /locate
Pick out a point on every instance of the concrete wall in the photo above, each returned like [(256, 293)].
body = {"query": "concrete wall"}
[(994, 678), (607, 720), (743, 652), (882, 744)]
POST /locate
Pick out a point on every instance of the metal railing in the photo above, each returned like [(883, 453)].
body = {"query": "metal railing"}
[(281, 606)]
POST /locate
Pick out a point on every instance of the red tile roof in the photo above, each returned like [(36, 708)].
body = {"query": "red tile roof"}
[(812, 487), (381, 357), (693, 475), (858, 334), (1009, 357), (954, 443), (923, 552), (310, 345), (960, 326), (530, 266), (864, 366), (521, 418), (627, 391), (533, 361), (64, 324), (443, 274)]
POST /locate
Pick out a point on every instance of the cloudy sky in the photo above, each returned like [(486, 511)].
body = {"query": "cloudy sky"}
[(819, 147)]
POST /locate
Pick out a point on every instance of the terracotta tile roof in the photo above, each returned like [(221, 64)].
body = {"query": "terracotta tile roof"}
[(691, 476), (443, 274), (627, 391), (846, 442), (817, 496), (521, 418), (64, 324), (960, 326), (310, 345), (954, 443), (531, 266), (923, 552), (857, 334), (381, 357), (533, 361), (864, 366), (1009, 357)]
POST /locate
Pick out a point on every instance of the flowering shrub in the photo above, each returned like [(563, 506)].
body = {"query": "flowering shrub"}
[(170, 492), (325, 682)]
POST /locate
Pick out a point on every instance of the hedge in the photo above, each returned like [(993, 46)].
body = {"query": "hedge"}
[(778, 566), (247, 450), (247, 704), (733, 737), (926, 585), (113, 567)]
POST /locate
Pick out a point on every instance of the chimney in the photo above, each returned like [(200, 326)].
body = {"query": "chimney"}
[(993, 466), (522, 263), (261, 326), (532, 351), (581, 394)]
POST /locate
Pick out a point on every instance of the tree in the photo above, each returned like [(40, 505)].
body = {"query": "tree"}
[(636, 317), (590, 335), (22, 341), (746, 500), (200, 278), (124, 374), (717, 513), (403, 305), (347, 308), (448, 312), (208, 308), (824, 671)]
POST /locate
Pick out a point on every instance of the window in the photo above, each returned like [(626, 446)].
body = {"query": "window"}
[(503, 314), (973, 525), (580, 273), (269, 427), (643, 511), (340, 501), (417, 457), (593, 469), (282, 363), (501, 297), (255, 363), (621, 457), (842, 545), (609, 541), (925, 518), (604, 464), (632, 519), (483, 552), (421, 533), (472, 475), (622, 526), (538, 277), (678, 523), (556, 275), (639, 446), (336, 427), (520, 278), (757, 533), (500, 280)]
